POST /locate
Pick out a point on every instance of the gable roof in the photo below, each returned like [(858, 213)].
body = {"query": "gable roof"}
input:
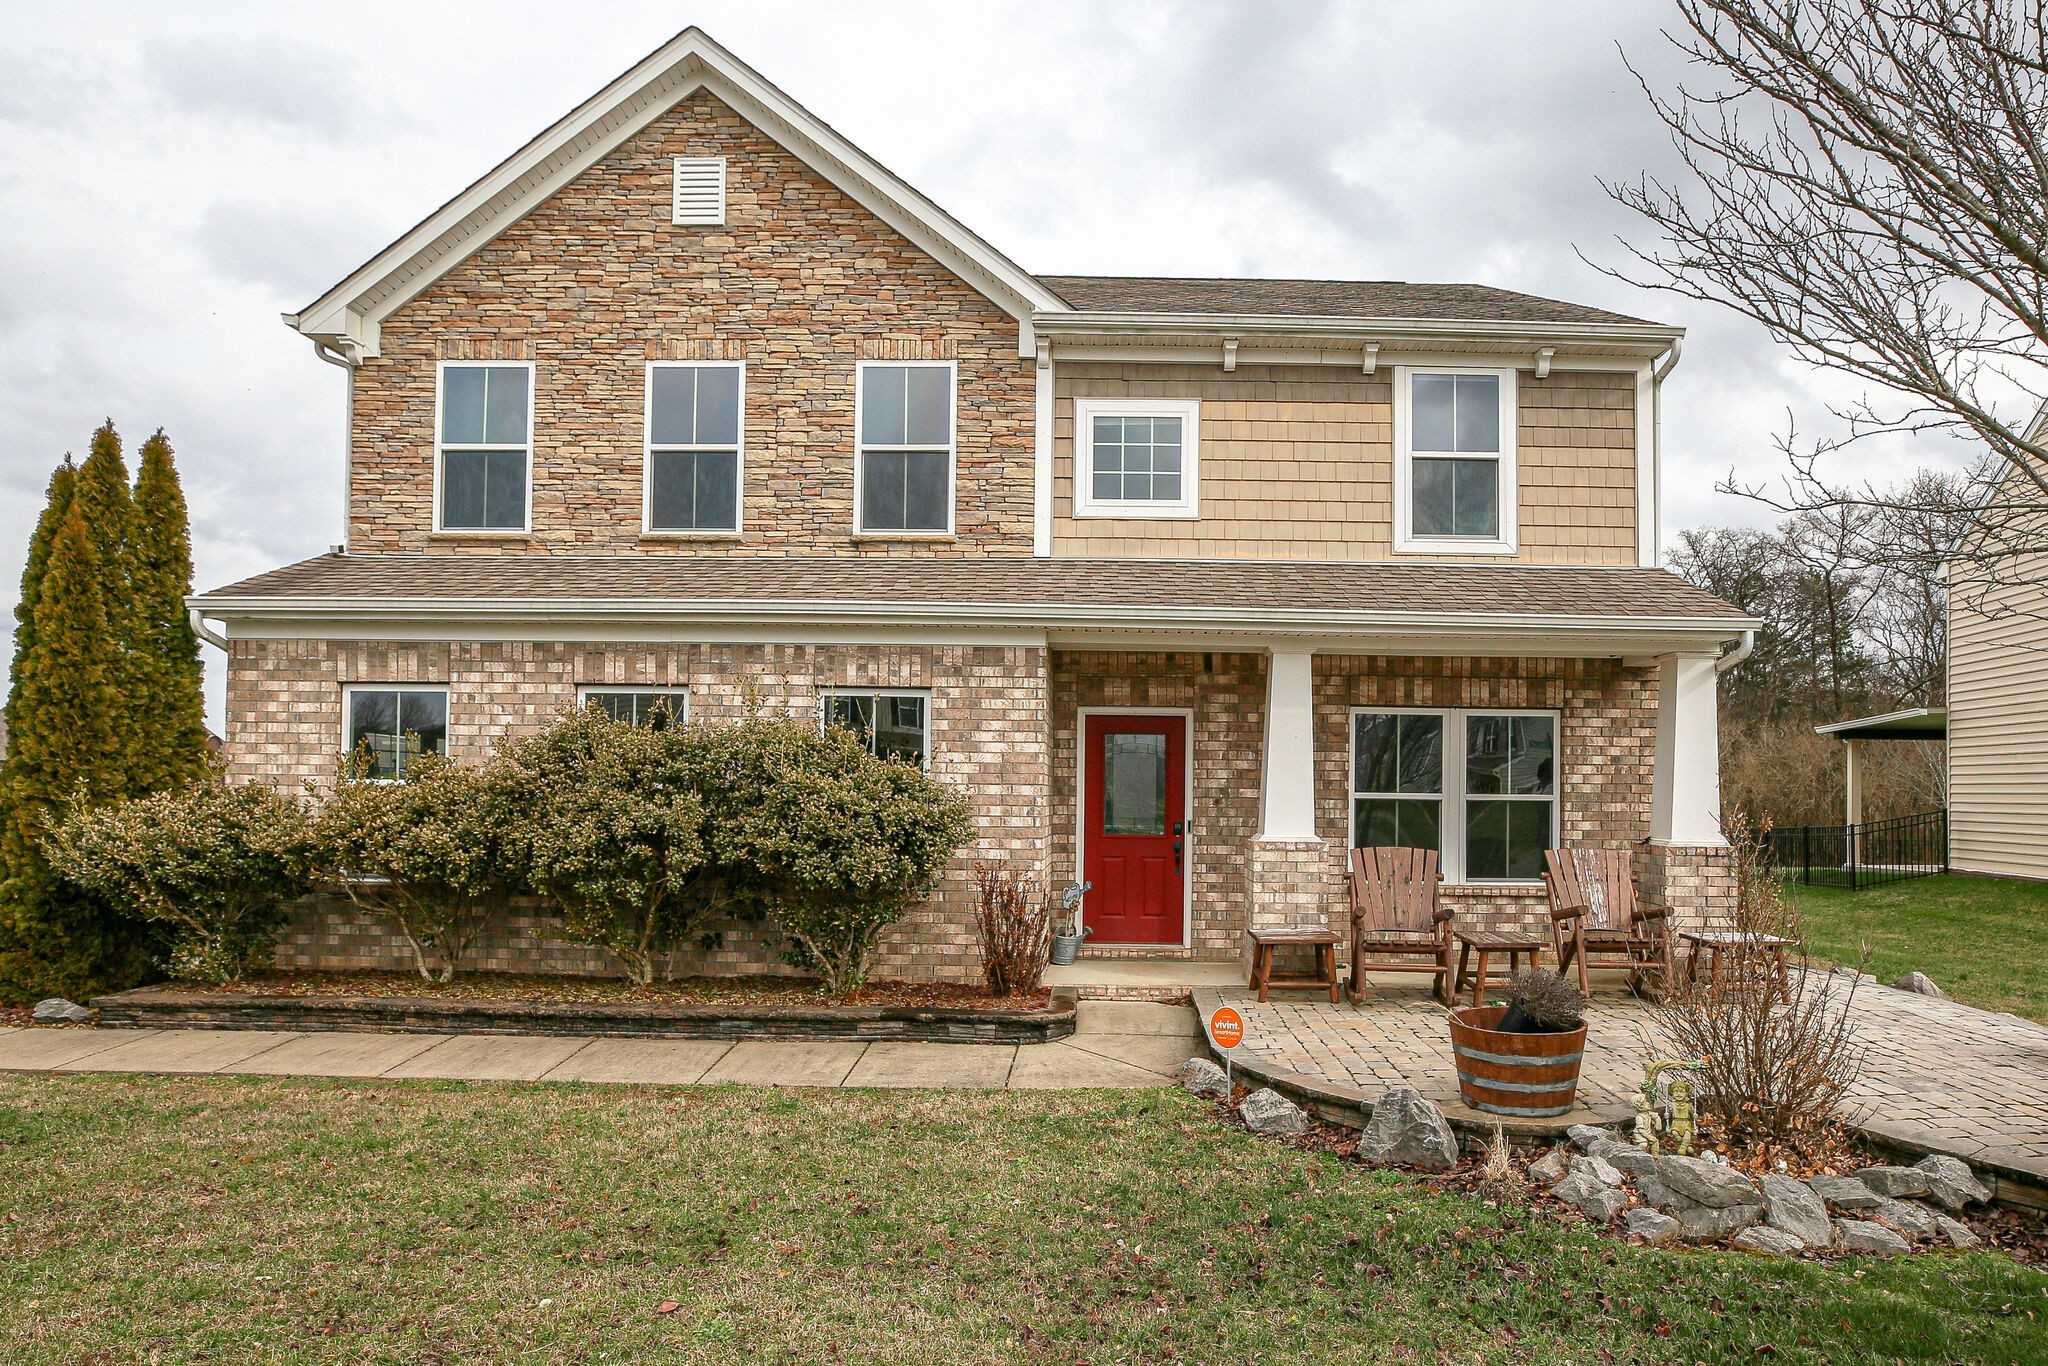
[(347, 316), (1320, 299)]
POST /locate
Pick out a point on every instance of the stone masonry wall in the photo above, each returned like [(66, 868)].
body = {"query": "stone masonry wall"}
[(988, 739), (800, 283)]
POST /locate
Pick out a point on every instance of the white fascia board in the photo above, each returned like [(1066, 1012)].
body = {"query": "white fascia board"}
[(597, 127), (1417, 333)]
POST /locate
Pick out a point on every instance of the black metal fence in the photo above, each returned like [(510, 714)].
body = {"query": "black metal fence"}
[(1869, 855)]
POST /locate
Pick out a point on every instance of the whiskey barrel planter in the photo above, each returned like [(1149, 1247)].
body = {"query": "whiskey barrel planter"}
[(1527, 1075)]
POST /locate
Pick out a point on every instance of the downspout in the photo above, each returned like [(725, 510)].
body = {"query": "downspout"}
[(1743, 650), (197, 620), (328, 353), (1657, 376)]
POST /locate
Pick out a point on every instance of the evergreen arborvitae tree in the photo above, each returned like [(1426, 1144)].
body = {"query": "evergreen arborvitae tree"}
[(58, 502), (108, 507), (169, 710), (55, 939)]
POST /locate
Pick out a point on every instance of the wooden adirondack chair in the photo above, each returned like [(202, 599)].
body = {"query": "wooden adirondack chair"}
[(1594, 910), (1396, 910)]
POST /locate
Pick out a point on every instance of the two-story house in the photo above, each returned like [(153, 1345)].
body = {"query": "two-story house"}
[(1189, 585)]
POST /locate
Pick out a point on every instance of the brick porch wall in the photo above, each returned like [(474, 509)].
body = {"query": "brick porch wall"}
[(988, 719)]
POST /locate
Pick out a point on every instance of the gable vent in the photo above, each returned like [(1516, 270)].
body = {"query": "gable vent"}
[(700, 190)]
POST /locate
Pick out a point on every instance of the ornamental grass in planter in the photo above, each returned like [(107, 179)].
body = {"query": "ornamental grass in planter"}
[(1522, 1058)]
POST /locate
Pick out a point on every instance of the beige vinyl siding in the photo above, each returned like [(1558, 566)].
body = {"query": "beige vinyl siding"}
[(1998, 726), (1297, 462)]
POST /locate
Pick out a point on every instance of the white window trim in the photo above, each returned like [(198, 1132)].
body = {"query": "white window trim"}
[(1405, 541), (349, 690), (585, 691), (860, 450), (1451, 825), (825, 696), (1188, 410), (739, 448), (442, 447)]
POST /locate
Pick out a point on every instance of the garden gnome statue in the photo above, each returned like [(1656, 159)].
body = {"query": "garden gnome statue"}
[(1649, 1124)]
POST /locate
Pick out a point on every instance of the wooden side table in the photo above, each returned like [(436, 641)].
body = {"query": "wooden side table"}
[(1716, 942), (1488, 943), (1325, 943)]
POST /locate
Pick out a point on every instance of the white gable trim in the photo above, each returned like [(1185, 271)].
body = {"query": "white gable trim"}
[(347, 317)]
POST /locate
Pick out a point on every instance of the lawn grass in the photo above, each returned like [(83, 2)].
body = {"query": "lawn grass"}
[(1983, 940), (256, 1220)]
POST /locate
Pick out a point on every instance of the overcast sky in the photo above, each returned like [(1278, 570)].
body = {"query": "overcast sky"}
[(172, 177)]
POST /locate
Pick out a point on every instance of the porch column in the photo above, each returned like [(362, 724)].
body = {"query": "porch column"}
[(1685, 804), (1852, 781), (1287, 805)]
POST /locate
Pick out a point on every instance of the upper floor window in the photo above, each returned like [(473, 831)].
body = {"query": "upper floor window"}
[(486, 446), (654, 708), (1136, 457), (903, 459), (693, 447), (1478, 787), (891, 722), (388, 728), (1454, 460)]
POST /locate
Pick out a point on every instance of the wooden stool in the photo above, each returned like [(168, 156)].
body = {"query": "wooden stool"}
[(1717, 942), (1488, 943), (1325, 975)]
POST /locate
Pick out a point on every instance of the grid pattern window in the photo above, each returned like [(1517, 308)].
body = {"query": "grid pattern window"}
[(892, 724), (693, 447), (1136, 457), (1479, 787), (1456, 462), (654, 708), (389, 728), (486, 446), (904, 457)]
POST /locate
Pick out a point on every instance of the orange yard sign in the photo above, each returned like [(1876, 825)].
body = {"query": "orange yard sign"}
[(1226, 1027)]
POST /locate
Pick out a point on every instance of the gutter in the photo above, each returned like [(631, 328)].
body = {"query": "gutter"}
[(1742, 651), (1303, 325), (196, 619)]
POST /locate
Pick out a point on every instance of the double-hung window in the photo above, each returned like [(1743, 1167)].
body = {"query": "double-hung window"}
[(655, 708), (389, 727), (903, 460), (694, 447), (1136, 457), (485, 454), (891, 722), (1454, 460), (1480, 787)]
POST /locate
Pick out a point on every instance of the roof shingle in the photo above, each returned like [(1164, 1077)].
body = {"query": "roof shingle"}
[(1319, 299)]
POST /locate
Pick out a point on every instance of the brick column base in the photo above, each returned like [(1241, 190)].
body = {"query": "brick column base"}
[(1697, 881), (1289, 887)]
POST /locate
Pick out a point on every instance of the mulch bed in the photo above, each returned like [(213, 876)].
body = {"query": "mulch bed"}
[(690, 991)]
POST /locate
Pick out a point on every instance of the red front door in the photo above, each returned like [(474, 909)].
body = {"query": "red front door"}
[(1134, 828)]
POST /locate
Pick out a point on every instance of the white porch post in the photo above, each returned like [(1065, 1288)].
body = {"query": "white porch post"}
[(1685, 804), (1287, 807), (1852, 775)]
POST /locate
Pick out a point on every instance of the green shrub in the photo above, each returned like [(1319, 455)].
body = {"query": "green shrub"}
[(428, 853), (214, 863), (838, 844), (610, 828)]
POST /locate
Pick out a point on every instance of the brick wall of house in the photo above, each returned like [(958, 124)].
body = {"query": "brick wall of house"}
[(800, 282), (988, 738)]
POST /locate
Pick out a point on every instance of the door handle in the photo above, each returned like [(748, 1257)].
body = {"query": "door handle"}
[(1176, 856)]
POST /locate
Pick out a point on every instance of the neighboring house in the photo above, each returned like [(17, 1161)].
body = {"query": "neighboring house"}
[(1189, 585)]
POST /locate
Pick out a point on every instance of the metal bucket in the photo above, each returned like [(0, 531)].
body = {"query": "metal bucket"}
[(1067, 947), (1529, 1075)]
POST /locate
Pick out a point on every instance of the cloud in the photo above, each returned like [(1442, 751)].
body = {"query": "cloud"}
[(296, 249), (261, 79)]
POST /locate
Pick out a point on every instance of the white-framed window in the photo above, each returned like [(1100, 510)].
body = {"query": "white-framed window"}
[(655, 708), (894, 723), (390, 725), (1479, 786), (483, 459), (695, 452), (903, 448), (1137, 457), (1454, 460)]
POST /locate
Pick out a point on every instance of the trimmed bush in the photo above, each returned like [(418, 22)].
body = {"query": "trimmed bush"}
[(427, 853), (216, 864)]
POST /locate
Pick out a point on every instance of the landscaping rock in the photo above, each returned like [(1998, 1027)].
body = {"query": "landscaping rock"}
[(1651, 1226), (1598, 1201), (1584, 1136), (1205, 1078), (57, 1010), (1862, 1236), (1920, 985), (1655, 1191), (1957, 1232), (1845, 1194), (1763, 1238), (1597, 1169), (1950, 1182), (1628, 1158), (1791, 1207), (1551, 1168), (1266, 1111), (1894, 1181), (1706, 1224), (1707, 1183), (1407, 1129), (1913, 1221)]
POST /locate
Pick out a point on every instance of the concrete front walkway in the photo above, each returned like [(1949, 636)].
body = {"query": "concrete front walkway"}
[(1115, 1044)]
